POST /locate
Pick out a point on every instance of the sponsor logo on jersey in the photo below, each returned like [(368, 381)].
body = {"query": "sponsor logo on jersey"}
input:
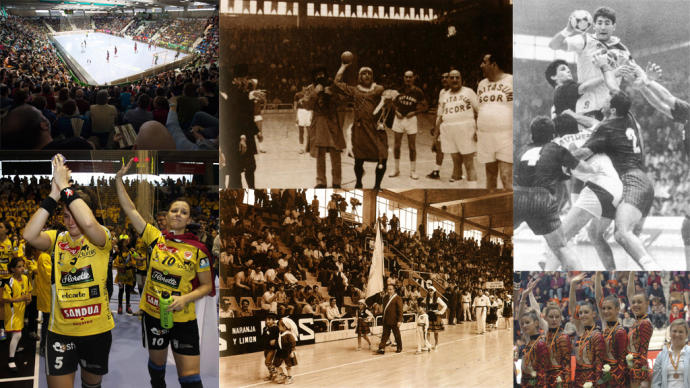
[(81, 312), (61, 348), (73, 294), (77, 276), (165, 278), (203, 263), (152, 300), (166, 248), (63, 245), (187, 255)]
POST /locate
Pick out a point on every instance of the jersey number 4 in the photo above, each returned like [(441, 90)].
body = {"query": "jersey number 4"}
[(532, 156), (632, 136)]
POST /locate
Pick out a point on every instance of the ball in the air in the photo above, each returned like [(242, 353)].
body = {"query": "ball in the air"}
[(346, 57), (581, 20)]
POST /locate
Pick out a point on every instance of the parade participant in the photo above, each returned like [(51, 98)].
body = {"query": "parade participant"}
[(435, 307), (615, 336), (590, 353), (639, 336)]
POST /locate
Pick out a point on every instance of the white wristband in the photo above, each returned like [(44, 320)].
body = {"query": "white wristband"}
[(258, 118)]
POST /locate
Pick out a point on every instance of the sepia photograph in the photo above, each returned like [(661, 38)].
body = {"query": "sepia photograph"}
[(344, 288), (392, 93), (601, 139)]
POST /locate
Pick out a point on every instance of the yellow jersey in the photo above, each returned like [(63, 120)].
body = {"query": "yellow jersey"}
[(79, 298), (124, 263), (172, 267), (14, 312), (42, 282), (6, 254)]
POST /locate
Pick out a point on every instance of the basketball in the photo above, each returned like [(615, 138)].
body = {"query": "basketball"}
[(346, 57)]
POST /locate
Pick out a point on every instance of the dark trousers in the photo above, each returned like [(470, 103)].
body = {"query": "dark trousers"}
[(451, 315), (32, 316), (387, 333), (44, 329)]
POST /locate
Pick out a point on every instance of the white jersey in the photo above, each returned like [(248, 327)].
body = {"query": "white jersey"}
[(495, 113), (458, 107), (441, 94), (585, 46), (606, 176)]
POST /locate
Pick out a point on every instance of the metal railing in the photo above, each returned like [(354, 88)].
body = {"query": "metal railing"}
[(352, 321)]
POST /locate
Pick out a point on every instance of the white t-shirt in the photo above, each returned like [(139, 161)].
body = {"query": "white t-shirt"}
[(495, 113), (606, 176), (458, 107), (585, 46)]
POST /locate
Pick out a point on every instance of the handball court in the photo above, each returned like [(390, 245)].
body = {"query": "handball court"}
[(462, 359), (283, 166), (125, 64), (660, 235)]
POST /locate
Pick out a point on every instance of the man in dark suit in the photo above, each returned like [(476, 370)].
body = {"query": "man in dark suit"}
[(242, 128), (392, 318), (452, 305)]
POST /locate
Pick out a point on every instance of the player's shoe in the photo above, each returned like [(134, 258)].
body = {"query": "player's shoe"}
[(434, 175), (394, 174), (288, 380), (12, 365), (414, 175), (2, 335), (129, 311), (119, 310)]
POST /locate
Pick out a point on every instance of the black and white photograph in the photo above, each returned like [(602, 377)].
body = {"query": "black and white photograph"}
[(345, 288), (601, 142), (377, 94)]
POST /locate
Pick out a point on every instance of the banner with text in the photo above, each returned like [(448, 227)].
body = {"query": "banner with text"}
[(243, 335)]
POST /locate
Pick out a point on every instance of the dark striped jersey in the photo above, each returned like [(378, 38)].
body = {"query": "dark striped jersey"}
[(408, 99), (619, 138), (542, 166)]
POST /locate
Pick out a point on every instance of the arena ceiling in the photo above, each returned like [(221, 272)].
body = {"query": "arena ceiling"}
[(104, 4), (489, 209)]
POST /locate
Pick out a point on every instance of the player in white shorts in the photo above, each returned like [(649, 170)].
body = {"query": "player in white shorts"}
[(303, 116), (436, 146), (586, 45), (458, 127), (495, 121), (409, 102), (600, 196)]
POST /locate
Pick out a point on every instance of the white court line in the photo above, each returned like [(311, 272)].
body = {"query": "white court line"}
[(380, 357), (17, 379)]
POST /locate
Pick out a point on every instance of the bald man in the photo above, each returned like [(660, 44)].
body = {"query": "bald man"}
[(154, 136), (408, 104), (25, 128)]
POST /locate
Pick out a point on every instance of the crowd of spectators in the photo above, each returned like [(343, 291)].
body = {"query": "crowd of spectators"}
[(111, 22), (286, 258), (666, 159), (289, 54), (208, 47), (86, 116), (183, 32), (151, 29)]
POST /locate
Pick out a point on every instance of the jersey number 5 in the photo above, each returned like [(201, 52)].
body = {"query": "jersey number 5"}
[(532, 156), (630, 134)]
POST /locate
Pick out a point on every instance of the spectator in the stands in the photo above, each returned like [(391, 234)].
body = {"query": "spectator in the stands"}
[(103, 116), (140, 114)]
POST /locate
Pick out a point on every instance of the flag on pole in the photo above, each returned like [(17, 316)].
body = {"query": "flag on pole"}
[(375, 283)]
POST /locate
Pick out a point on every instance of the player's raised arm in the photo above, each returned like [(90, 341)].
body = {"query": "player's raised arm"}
[(584, 120), (33, 231), (572, 301), (558, 41), (80, 211), (599, 295), (126, 203), (631, 286)]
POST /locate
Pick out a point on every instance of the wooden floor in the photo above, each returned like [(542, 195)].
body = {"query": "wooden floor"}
[(283, 166), (462, 359)]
